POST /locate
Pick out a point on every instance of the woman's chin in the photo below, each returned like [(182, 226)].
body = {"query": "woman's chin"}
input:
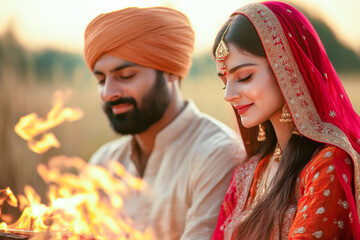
[(248, 124)]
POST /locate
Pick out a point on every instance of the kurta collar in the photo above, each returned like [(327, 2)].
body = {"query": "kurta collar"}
[(179, 125), (168, 135)]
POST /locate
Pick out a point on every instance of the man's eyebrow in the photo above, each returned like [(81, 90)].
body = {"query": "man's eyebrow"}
[(118, 68)]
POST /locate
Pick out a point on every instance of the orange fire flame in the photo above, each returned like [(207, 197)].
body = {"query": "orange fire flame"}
[(6, 195), (31, 126), (84, 201)]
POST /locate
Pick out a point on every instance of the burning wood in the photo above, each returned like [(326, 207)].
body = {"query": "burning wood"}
[(16, 234), (32, 235), (7, 236)]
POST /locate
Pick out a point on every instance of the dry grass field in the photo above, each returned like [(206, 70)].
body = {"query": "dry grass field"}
[(81, 138)]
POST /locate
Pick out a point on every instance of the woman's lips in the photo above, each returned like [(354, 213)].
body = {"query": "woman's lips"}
[(242, 108), (121, 108)]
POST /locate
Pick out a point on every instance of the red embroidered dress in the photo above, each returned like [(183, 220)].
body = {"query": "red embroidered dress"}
[(327, 201), (322, 211)]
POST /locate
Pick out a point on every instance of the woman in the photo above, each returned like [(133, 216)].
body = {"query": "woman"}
[(301, 179)]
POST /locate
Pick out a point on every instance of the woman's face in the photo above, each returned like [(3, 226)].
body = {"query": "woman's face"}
[(250, 86)]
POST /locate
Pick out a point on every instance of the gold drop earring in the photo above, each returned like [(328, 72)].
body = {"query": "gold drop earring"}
[(296, 132), (262, 134), (285, 116)]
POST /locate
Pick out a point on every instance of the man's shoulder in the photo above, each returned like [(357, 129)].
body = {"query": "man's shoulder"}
[(109, 149), (209, 129), (199, 126), (116, 144), (213, 142)]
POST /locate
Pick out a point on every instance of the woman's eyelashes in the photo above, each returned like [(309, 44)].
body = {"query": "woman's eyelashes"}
[(245, 79), (241, 80), (224, 82)]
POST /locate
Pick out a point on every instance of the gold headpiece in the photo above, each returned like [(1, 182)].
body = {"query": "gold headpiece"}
[(222, 50)]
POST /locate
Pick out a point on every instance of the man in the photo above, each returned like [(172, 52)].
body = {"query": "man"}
[(139, 57)]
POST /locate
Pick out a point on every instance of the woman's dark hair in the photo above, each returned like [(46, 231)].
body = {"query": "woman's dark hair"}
[(242, 33), (298, 151)]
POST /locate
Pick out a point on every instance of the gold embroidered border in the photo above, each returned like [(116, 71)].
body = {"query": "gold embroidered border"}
[(286, 223), (244, 177), (294, 88)]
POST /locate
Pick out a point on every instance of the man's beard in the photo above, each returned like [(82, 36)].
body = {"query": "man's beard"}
[(137, 120)]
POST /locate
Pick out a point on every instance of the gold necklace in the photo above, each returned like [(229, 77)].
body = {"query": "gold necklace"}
[(277, 153), (263, 188)]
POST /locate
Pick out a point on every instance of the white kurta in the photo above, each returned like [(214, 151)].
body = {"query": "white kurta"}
[(187, 175)]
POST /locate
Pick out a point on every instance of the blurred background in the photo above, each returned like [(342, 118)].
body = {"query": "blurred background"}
[(41, 52)]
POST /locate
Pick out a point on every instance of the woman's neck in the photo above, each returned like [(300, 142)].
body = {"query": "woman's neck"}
[(283, 130)]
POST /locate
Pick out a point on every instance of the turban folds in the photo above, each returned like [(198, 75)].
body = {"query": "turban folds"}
[(159, 38)]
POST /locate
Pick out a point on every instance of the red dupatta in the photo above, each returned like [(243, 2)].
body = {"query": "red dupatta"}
[(318, 103)]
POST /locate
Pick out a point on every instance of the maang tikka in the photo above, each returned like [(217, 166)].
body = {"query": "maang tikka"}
[(222, 51)]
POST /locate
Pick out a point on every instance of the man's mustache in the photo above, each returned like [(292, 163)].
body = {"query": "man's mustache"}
[(118, 101)]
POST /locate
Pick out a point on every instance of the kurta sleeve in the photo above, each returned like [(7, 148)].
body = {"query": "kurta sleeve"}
[(211, 178), (323, 211)]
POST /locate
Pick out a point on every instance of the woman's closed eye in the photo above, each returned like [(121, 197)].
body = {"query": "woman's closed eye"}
[(245, 78), (241, 79)]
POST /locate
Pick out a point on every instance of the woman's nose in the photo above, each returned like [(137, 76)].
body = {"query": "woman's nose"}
[(231, 92)]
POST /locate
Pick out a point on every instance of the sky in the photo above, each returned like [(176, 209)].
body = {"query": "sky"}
[(60, 24)]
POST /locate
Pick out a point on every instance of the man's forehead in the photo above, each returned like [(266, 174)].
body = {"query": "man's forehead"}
[(112, 63)]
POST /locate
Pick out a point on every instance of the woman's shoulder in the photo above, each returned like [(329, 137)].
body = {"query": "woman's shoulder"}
[(322, 162), (326, 155)]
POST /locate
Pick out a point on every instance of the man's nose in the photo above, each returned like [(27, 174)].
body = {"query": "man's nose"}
[(111, 90)]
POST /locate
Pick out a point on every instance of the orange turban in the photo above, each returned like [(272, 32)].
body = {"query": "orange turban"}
[(159, 38)]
